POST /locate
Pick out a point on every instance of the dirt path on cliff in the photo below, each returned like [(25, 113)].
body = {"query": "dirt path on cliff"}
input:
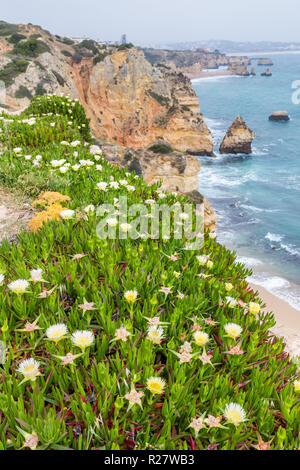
[(14, 215)]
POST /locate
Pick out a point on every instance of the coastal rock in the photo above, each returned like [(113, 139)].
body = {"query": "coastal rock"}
[(266, 61), (238, 138), (279, 116), (178, 173), (239, 69), (267, 73)]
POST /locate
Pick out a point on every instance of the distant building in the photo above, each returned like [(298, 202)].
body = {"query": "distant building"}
[(123, 39)]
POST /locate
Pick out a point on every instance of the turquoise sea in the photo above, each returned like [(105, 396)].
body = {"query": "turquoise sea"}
[(257, 197)]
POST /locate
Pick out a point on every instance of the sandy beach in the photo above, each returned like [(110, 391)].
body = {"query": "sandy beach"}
[(287, 319)]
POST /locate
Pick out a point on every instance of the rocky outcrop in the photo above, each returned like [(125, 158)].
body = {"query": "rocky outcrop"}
[(239, 69), (280, 116), (238, 138), (134, 103), (267, 73), (265, 61), (178, 173)]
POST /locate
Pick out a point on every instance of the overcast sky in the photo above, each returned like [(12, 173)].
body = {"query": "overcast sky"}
[(154, 21)]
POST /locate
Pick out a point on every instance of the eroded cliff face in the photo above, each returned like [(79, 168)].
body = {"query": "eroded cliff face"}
[(129, 101), (134, 104)]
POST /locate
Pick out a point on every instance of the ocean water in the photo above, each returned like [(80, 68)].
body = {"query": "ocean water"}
[(257, 197)]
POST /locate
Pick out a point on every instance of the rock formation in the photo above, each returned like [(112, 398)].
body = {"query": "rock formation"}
[(178, 173), (128, 100), (265, 61), (238, 138), (267, 73), (279, 116)]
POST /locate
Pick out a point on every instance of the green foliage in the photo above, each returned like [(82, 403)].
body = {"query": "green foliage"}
[(31, 48), (12, 70), (162, 100), (7, 29), (40, 90), (88, 44), (66, 53), (23, 92), (100, 57), (64, 106), (161, 148), (15, 38), (124, 47)]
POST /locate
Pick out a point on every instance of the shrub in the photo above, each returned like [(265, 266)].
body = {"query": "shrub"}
[(15, 38), (161, 148), (6, 29), (31, 48), (99, 58), (162, 100), (123, 47), (40, 90), (77, 58), (23, 92), (68, 41), (12, 70)]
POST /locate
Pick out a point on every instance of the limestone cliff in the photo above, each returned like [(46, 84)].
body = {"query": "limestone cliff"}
[(178, 173), (129, 101), (238, 138)]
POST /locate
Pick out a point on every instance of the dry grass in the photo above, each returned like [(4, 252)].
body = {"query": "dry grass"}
[(14, 215)]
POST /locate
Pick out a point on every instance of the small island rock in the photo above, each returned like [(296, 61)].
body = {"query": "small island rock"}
[(279, 116), (238, 138)]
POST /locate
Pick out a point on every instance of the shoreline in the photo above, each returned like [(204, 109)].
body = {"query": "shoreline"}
[(287, 319)]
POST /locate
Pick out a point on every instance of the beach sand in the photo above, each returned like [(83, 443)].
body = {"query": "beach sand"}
[(287, 319)]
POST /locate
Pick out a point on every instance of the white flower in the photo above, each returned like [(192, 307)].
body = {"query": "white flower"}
[(98, 167), (82, 339), (28, 157), (201, 338), (18, 150), (2, 277), (234, 414), (231, 302), (155, 334), (56, 332), (90, 208), (38, 158), (183, 216), (75, 167), (114, 184), (112, 222), (130, 188), (63, 169), (19, 286), (125, 227), (122, 334), (57, 163), (97, 157), (30, 369), (202, 259), (76, 142), (67, 214), (36, 275), (123, 182), (233, 330), (162, 195), (102, 186), (130, 295)]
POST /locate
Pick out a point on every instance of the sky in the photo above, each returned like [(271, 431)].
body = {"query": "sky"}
[(161, 21)]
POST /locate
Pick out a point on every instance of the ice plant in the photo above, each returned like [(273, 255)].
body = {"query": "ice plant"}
[(69, 358), (297, 385), (29, 368), (19, 286), (134, 397), (155, 334), (82, 339), (234, 414), (233, 330), (56, 332), (254, 308), (201, 338), (231, 302), (228, 286), (197, 424), (37, 275), (156, 385), (67, 214), (130, 295), (122, 334)]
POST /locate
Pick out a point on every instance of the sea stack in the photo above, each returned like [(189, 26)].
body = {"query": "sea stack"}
[(280, 116), (238, 138), (267, 73)]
